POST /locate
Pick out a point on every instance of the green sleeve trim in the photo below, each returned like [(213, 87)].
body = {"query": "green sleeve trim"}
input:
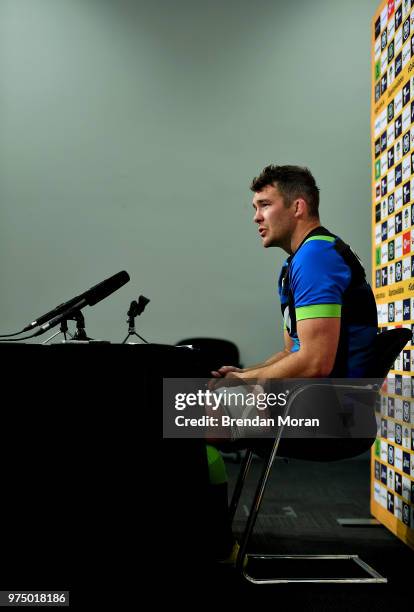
[(326, 238), (318, 311)]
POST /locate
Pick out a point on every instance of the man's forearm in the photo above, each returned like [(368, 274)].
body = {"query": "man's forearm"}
[(273, 359), (294, 365)]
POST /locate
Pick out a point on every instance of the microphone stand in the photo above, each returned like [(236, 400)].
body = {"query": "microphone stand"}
[(62, 330), (135, 309), (80, 333)]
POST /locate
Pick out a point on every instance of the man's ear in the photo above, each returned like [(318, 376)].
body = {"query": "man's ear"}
[(300, 206)]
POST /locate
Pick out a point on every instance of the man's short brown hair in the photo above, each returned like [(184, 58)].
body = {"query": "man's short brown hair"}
[(292, 182)]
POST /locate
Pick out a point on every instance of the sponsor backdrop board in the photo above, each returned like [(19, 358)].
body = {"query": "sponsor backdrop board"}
[(392, 133)]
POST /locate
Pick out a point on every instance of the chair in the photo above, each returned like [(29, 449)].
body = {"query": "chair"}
[(216, 352), (387, 347)]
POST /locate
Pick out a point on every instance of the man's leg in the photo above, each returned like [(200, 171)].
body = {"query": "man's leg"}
[(219, 526)]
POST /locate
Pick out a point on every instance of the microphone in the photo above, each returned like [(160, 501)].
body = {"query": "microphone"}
[(142, 302), (137, 308), (88, 298)]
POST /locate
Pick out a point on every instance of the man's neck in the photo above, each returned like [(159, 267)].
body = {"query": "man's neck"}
[(300, 234)]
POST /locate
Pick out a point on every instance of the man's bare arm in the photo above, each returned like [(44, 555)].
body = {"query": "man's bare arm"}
[(277, 356), (319, 340), (273, 359)]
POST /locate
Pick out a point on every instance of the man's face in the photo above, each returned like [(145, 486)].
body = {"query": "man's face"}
[(276, 222)]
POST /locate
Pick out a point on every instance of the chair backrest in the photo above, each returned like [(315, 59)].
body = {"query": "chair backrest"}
[(343, 404), (216, 351), (388, 345)]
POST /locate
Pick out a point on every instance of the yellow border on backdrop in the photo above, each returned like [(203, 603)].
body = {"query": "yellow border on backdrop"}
[(400, 291)]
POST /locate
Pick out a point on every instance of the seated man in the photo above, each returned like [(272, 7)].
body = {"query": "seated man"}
[(328, 307)]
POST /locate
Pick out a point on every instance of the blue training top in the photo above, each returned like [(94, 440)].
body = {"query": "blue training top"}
[(325, 278)]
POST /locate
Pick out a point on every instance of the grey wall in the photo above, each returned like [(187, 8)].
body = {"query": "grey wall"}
[(129, 133)]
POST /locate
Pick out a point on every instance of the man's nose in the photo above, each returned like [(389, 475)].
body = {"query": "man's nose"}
[(257, 216)]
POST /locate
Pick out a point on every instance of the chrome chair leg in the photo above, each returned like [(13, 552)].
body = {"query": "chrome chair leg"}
[(374, 577), (255, 507), (244, 470)]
